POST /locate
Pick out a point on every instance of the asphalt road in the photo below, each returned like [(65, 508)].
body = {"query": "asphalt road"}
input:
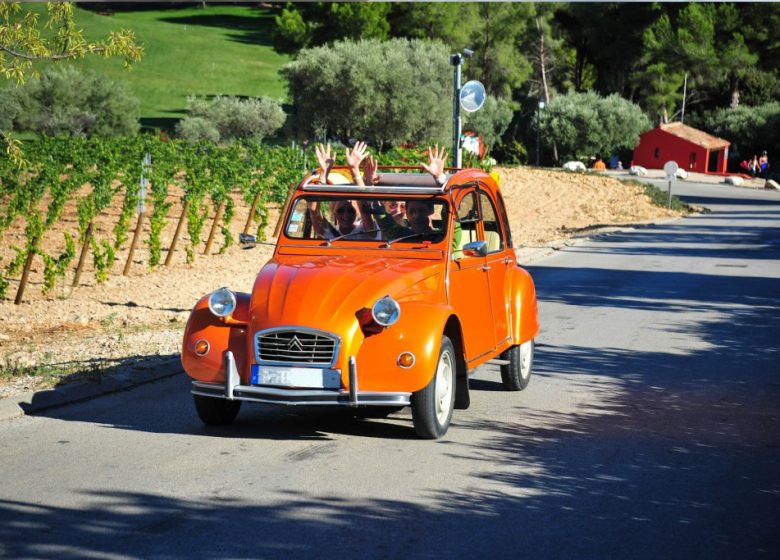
[(650, 430)]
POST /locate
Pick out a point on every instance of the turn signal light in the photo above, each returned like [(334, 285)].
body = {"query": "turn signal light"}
[(406, 359), (202, 347)]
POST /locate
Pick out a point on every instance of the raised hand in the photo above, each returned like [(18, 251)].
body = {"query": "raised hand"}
[(370, 171), (325, 157), (436, 161), (356, 155)]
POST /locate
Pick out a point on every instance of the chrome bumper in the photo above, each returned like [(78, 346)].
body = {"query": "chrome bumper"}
[(233, 390)]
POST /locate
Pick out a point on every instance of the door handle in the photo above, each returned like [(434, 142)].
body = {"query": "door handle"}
[(485, 267), (507, 261)]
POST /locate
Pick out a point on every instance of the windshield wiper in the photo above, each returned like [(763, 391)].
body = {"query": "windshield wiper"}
[(329, 241), (388, 244)]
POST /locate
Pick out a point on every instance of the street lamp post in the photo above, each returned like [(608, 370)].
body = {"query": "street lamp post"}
[(456, 60), (538, 126)]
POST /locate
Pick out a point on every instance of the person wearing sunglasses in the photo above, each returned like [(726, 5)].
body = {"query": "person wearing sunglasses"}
[(396, 220), (343, 213)]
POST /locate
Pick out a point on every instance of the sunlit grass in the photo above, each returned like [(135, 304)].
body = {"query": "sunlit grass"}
[(189, 51)]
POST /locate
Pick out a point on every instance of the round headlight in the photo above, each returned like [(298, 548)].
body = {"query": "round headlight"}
[(386, 311), (222, 302)]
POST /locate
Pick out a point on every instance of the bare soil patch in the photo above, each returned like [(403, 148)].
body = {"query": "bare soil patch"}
[(135, 321)]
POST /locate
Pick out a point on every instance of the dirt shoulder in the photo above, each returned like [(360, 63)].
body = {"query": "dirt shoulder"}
[(133, 322)]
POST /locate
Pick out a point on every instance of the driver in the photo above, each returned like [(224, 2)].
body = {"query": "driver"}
[(418, 215)]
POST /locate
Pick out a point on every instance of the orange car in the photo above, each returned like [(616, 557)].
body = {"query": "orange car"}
[(384, 296)]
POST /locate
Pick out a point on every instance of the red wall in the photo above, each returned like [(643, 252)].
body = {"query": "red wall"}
[(688, 156)]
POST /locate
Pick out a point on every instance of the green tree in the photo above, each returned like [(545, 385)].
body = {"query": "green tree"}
[(663, 90), (498, 63), (23, 42), (605, 42), (291, 33), (585, 124), (490, 121), (382, 92), (495, 31), (66, 101), (760, 22), (451, 23), (704, 41), (318, 23), (734, 56), (759, 86), (546, 52), (750, 129)]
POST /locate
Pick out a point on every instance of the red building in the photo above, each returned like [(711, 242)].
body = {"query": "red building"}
[(692, 149)]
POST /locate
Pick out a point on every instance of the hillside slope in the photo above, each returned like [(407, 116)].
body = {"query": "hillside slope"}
[(189, 51)]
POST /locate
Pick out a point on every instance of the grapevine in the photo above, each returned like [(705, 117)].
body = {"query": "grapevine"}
[(55, 268), (111, 169), (227, 217), (103, 255)]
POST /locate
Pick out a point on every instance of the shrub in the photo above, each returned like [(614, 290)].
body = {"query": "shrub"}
[(197, 129), (386, 93), (231, 118), (491, 120), (750, 129), (66, 101), (585, 124)]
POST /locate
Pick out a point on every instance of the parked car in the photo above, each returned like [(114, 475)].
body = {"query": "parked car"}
[(394, 311)]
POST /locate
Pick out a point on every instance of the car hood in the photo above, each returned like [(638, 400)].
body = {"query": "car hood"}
[(321, 291)]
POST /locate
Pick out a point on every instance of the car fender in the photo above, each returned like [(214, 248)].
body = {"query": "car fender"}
[(419, 330), (222, 333), (523, 305)]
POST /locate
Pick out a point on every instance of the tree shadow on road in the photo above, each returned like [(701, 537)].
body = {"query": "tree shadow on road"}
[(666, 452)]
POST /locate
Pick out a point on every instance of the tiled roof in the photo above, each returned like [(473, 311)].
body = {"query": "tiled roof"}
[(694, 136)]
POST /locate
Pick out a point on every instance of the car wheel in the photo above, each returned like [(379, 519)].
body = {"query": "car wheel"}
[(216, 412), (432, 406), (517, 374)]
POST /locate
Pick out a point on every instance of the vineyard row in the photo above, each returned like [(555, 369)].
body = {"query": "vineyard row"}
[(144, 177)]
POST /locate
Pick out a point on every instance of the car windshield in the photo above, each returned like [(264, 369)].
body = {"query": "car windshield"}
[(391, 219)]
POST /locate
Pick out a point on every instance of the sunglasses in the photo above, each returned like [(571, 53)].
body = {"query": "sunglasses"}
[(343, 209)]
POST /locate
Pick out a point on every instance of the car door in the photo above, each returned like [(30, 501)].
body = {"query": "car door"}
[(498, 261), (469, 289)]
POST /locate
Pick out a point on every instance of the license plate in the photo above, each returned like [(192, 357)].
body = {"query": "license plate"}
[(309, 378)]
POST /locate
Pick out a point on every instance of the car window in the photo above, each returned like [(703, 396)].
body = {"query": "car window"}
[(392, 218), (466, 227), (493, 235), (505, 219)]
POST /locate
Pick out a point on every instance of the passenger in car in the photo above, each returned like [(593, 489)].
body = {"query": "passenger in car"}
[(395, 220), (437, 158), (343, 213)]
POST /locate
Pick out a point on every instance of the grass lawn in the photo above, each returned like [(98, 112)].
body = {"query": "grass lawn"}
[(190, 51)]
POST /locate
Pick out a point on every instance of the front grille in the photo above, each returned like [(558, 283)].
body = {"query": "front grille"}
[(295, 347)]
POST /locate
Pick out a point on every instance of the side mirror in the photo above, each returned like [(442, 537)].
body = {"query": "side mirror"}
[(475, 249), (246, 240)]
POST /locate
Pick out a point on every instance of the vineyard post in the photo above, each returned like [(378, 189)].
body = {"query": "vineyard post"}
[(252, 211), (134, 243), (141, 205), (283, 210), (83, 256), (217, 218), (26, 272), (184, 209)]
